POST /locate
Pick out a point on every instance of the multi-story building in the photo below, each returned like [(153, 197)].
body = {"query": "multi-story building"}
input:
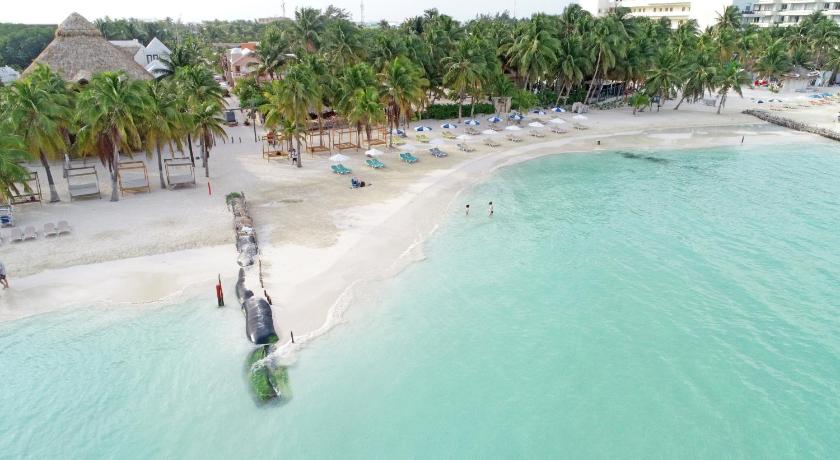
[(705, 12), (766, 13)]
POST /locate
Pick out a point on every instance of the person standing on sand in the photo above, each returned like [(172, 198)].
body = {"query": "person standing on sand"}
[(3, 279), (491, 209)]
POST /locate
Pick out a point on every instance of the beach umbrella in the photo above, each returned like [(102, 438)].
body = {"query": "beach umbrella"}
[(448, 126), (422, 129), (374, 153), (397, 131), (558, 121), (489, 132), (536, 124), (513, 128), (539, 112), (580, 117), (558, 110), (338, 158), (437, 141), (516, 117), (494, 119), (472, 122)]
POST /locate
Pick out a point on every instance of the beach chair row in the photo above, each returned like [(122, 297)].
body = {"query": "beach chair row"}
[(29, 232)]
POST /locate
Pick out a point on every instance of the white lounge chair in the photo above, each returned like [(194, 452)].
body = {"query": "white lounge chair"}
[(50, 230), (29, 233), (63, 227), (16, 235), (491, 143), (514, 138)]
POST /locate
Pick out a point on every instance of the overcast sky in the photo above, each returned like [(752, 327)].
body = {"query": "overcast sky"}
[(54, 11)]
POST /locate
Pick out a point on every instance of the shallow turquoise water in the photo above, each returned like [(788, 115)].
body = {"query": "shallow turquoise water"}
[(654, 305)]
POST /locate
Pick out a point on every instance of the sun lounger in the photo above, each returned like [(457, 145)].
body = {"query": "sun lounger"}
[(496, 128), (438, 153), (466, 148), (580, 126), (375, 164), (536, 133), (408, 158), (423, 138), (472, 131), (50, 230), (491, 143), (16, 235), (63, 227), (557, 130), (448, 135), (514, 138), (29, 233), (398, 141)]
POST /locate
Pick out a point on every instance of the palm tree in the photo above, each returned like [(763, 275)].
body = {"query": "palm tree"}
[(308, 26), (572, 65), (607, 42), (38, 107), (111, 110), (464, 70), (403, 87), (638, 101), (731, 77), (774, 61), (289, 100), (183, 55), (11, 173), (209, 126), (534, 51), (197, 89), (366, 109), (664, 77), (163, 123), (274, 51)]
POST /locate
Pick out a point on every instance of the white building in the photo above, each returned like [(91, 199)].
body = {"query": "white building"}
[(148, 56), (766, 13), (705, 12), (8, 75)]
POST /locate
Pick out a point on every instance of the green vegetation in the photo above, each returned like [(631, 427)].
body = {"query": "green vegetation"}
[(21, 43), (447, 111)]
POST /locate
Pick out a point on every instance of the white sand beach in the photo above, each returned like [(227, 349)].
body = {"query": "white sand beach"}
[(322, 243)]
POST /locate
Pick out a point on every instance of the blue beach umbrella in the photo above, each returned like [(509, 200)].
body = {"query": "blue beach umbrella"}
[(472, 122), (448, 126), (397, 131), (538, 112), (558, 110), (494, 119), (516, 117), (421, 129)]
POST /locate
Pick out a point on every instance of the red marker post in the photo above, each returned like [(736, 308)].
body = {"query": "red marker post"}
[(220, 295)]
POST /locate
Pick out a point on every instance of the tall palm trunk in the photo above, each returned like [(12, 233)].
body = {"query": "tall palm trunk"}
[(115, 173), (53, 192), (160, 166), (594, 77), (299, 156), (204, 152), (189, 143), (680, 103), (722, 102), (460, 106)]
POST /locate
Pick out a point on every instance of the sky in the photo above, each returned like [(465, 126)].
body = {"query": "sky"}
[(54, 11)]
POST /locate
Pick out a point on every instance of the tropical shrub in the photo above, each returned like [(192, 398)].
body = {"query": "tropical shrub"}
[(448, 111)]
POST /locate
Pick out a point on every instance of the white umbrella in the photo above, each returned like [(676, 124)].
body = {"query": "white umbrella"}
[(421, 129), (513, 128), (466, 137), (437, 141), (489, 132), (536, 124), (472, 122), (516, 117), (580, 117), (558, 121), (374, 153), (338, 158)]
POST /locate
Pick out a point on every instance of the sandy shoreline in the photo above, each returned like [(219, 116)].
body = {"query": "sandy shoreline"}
[(324, 246)]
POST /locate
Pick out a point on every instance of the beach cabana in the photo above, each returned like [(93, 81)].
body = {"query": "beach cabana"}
[(343, 139), (272, 146), (20, 195), (179, 172), (378, 136), (83, 182), (315, 142), (133, 177)]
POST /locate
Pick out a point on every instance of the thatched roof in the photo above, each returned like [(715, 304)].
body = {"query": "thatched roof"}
[(78, 51)]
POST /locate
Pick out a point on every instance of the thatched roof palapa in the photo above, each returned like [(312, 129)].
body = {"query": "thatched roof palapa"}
[(79, 51)]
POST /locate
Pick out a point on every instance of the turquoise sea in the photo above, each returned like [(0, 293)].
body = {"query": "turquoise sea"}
[(664, 304)]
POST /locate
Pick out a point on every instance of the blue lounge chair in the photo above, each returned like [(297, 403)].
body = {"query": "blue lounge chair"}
[(437, 153), (408, 158), (375, 164)]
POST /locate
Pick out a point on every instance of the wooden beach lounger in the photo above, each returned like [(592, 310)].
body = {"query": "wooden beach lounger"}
[(465, 148), (536, 133), (134, 177), (423, 138), (448, 135), (375, 164), (514, 138), (437, 153), (50, 230), (408, 158), (29, 233), (16, 235), (491, 143)]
